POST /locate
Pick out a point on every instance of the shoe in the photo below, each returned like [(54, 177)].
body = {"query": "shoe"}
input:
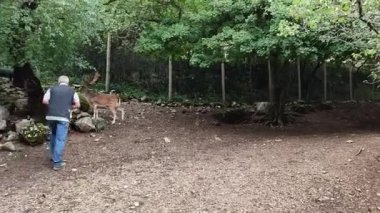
[(51, 160), (59, 167)]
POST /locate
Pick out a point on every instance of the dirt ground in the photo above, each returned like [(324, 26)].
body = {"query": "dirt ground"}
[(328, 161)]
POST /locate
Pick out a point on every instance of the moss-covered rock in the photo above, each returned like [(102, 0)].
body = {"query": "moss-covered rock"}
[(84, 105)]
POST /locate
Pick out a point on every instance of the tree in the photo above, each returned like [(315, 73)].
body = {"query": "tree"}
[(51, 34)]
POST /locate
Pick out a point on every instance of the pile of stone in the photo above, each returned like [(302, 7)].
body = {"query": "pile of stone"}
[(8, 137), (83, 122), (12, 98)]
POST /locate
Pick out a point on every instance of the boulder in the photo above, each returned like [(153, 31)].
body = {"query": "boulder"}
[(144, 98), (3, 125), (83, 115), (100, 123), (12, 136), (262, 107), (21, 104), (4, 113), (84, 124), (84, 105), (8, 146), (23, 123)]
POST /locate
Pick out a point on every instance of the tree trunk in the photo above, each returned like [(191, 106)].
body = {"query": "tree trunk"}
[(270, 81), (170, 92), (108, 62), (324, 81), (299, 79), (251, 63), (223, 73), (351, 87)]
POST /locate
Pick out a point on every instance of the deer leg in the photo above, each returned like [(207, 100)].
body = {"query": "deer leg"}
[(122, 112), (95, 114), (113, 110)]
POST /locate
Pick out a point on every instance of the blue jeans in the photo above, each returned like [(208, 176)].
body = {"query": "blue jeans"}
[(58, 136)]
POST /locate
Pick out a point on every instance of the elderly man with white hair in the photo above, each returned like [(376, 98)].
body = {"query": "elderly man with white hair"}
[(60, 99)]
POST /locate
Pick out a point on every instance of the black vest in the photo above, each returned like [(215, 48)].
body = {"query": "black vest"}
[(61, 100)]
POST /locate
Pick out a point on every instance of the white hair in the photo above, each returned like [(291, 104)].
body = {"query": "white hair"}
[(63, 79)]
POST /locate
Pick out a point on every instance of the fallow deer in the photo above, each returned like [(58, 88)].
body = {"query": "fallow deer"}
[(111, 101)]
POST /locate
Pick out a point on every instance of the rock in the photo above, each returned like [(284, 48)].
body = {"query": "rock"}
[(83, 115), (144, 98), (12, 136), (349, 141), (84, 105), (4, 113), (262, 107), (3, 125), (205, 110), (84, 124), (167, 140), (21, 104), (8, 146), (173, 111), (100, 123), (76, 111), (217, 138), (216, 123), (23, 123)]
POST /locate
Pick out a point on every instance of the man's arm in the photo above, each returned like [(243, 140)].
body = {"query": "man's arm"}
[(76, 101), (46, 98)]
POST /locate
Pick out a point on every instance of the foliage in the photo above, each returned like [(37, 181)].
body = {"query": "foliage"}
[(202, 33), (49, 36)]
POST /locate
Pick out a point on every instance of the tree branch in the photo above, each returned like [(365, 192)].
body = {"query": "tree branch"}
[(109, 2), (360, 13)]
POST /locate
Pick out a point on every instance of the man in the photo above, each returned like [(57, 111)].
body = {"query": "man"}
[(60, 99)]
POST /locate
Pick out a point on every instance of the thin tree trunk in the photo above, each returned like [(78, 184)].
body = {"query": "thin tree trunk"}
[(251, 62), (223, 73), (324, 81), (373, 92), (351, 87), (170, 79), (108, 62), (270, 82), (299, 79)]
